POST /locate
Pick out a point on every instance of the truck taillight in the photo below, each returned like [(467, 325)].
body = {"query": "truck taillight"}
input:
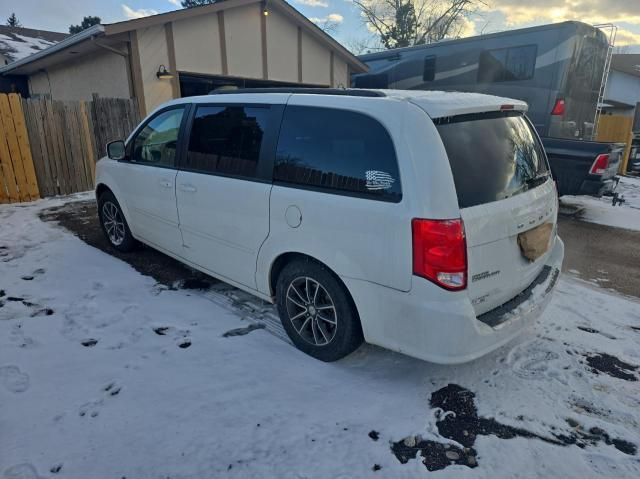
[(600, 165), (440, 252), (558, 108)]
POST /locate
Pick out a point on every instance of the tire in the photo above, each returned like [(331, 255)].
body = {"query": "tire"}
[(113, 223), (317, 312)]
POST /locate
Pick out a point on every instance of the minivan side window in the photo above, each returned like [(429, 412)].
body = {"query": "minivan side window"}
[(337, 151), (507, 64), (226, 140), (156, 144)]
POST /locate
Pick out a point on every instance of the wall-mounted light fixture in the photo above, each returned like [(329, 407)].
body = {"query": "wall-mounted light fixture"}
[(163, 73), (265, 10)]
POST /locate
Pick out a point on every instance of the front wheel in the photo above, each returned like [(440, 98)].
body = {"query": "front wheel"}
[(113, 223), (316, 311)]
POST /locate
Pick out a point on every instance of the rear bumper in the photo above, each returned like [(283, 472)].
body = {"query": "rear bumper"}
[(571, 183), (597, 187), (443, 328)]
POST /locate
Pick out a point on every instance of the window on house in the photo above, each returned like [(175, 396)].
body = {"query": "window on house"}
[(507, 64), (429, 70), (339, 151), (227, 140)]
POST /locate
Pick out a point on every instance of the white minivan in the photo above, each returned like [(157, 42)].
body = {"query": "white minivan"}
[(423, 222)]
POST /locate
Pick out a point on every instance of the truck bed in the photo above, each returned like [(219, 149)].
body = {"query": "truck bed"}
[(571, 161)]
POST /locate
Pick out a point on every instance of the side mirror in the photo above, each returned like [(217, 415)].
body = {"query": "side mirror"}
[(116, 150)]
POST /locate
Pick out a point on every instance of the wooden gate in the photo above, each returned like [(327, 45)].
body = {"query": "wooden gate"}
[(617, 129), (17, 175)]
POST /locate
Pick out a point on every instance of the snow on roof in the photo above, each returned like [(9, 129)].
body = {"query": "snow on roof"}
[(439, 104), (17, 43)]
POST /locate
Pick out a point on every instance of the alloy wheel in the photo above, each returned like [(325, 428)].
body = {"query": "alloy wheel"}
[(113, 223), (311, 311)]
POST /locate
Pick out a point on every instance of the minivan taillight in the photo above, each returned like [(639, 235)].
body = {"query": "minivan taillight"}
[(558, 108), (600, 165), (440, 252)]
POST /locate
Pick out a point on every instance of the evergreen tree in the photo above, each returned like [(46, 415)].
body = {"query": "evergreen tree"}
[(13, 21), (197, 3), (86, 23)]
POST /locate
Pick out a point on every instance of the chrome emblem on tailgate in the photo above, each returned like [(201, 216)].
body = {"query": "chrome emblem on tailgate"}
[(484, 275)]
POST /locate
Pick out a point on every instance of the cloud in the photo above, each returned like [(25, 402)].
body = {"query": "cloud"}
[(517, 13), (626, 37), (130, 13), (310, 3), (467, 28), (331, 18), (177, 3)]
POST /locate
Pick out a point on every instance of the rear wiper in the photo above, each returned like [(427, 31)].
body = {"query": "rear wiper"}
[(537, 180)]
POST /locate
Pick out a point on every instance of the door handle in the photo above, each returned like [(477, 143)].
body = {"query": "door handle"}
[(166, 183), (187, 188)]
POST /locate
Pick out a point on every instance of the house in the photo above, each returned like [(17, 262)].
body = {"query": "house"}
[(623, 86), (239, 43), (17, 43), (622, 96)]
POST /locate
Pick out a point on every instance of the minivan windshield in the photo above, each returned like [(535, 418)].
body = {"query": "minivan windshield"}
[(493, 156)]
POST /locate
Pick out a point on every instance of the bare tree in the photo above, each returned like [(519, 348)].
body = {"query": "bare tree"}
[(402, 23), (360, 46), (327, 25)]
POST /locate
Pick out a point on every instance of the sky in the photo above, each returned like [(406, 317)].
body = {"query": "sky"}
[(496, 15)]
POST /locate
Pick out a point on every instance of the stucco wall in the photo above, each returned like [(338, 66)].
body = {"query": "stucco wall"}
[(244, 42), (340, 73), (316, 61), (282, 48), (152, 46), (104, 73), (197, 42), (198, 49)]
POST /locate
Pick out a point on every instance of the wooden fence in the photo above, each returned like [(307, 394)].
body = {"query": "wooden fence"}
[(17, 175), (50, 147), (67, 138)]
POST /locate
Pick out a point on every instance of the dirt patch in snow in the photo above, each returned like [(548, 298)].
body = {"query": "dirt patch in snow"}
[(607, 364), (81, 218), (458, 420), (243, 331)]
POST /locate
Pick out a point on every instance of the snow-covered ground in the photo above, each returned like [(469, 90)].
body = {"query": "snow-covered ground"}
[(601, 210), (106, 374)]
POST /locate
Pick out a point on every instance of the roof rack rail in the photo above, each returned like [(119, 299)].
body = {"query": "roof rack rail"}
[(307, 91)]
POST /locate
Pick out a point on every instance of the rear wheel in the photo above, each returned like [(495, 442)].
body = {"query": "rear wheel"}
[(316, 311), (114, 225)]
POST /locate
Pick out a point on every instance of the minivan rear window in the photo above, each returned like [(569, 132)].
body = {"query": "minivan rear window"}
[(492, 155)]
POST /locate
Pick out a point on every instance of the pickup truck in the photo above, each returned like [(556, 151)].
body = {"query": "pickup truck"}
[(583, 167)]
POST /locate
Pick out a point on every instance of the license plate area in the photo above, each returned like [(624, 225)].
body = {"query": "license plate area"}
[(535, 242)]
